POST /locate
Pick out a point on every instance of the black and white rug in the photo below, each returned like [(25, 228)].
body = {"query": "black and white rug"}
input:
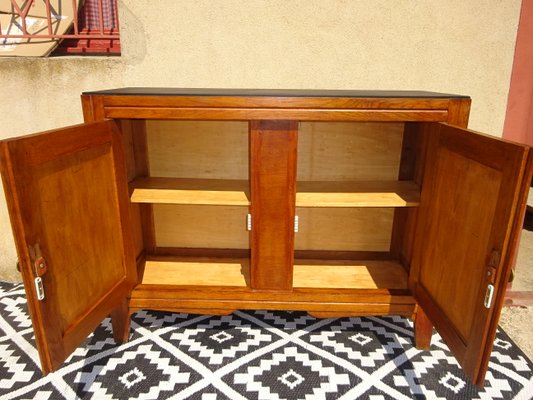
[(259, 355)]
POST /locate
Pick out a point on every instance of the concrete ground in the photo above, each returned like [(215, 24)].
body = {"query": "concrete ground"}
[(517, 321)]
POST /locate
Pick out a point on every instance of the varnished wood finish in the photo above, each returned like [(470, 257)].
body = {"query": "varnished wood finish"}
[(309, 194), (272, 181), (274, 114), (470, 191), (423, 330), (120, 320), (191, 191), (134, 144), (349, 274), (411, 170), (458, 112), (357, 194), (391, 208), (218, 271), (56, 203)]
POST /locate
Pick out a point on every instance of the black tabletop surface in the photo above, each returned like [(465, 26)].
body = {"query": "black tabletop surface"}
[(163, 91)]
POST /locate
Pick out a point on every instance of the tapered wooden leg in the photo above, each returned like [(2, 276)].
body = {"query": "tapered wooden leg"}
[(120, 320), (423, 330)]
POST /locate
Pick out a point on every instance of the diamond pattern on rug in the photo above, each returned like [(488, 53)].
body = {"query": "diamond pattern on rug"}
[(250, 355), (220, 340), (293, 373), (363, 342), (15, 367), (154, 320), (286, 320), (144, 372)]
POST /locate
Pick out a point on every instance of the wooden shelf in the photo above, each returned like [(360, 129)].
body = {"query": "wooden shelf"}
[(196, 271), (358, 194), (309, 194), (235, 272), (190, 191), (348, 274)]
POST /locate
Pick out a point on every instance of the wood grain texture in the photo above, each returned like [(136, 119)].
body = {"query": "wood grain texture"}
[(459, 112), (50, 170), (362, 274), (468, 202), (134, 143), (423, 330), (368, 236), (309, 194), (344, 229), (272, 181), (229, 192), (198, 149), (217, 271), (336, 151), (357, 194), (274, 114), (197, 271), (220, 227)]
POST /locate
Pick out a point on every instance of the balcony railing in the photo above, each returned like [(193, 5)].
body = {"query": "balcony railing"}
[(35, 27)]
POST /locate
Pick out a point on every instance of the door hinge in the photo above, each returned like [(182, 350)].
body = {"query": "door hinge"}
[(39, 288), (489, 296), (296, 223), (249, 222)]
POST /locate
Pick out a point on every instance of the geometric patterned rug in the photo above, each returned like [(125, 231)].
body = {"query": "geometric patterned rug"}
[(258, 355)]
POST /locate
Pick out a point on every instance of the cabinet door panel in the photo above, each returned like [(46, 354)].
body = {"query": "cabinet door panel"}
[(67, 198), (470, 199)]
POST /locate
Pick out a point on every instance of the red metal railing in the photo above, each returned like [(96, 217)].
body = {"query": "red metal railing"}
[(91, 23)]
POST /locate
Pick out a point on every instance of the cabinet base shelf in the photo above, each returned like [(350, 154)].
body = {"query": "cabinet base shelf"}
[(318, 310), (312, 273), (321, 287)]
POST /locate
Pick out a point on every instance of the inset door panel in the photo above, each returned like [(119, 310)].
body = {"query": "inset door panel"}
[(68, 203), (470, 194)]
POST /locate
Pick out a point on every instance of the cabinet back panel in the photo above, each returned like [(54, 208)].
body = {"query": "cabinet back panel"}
[(221, 227), (198, 149), (349, 151), (344, 229)]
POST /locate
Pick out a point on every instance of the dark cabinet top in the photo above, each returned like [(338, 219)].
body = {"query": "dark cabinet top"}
[(163, 91)]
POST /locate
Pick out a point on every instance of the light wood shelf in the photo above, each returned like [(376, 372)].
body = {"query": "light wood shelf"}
[(309, 194), (348, 274), (358, 194), (196, 271), (190, 191), (215, 271)]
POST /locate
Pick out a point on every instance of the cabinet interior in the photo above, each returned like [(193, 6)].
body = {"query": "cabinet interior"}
[(190, 198)]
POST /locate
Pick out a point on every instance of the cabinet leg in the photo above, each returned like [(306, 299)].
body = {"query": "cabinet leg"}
[(423, 330), (120, 320)]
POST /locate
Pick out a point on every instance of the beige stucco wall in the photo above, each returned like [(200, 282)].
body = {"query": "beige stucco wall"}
[(453, 46)]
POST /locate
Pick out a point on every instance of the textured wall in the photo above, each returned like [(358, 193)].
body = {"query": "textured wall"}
[(455, 46)]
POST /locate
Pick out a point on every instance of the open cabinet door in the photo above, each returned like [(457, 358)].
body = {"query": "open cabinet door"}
[(67, 197), (472, 195)]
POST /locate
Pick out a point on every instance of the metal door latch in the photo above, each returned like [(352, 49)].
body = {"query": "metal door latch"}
[(488, 296), (39, 288)]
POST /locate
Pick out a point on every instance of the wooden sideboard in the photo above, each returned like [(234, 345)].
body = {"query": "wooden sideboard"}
[(337, 203)]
